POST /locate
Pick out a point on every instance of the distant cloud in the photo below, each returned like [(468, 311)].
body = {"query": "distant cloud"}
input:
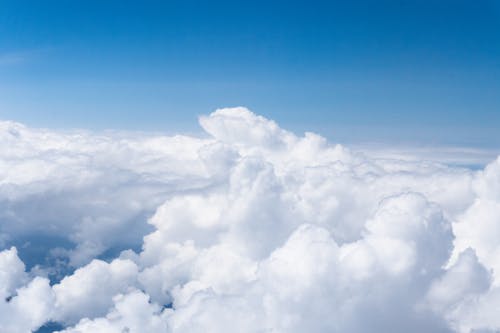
[(451, 155), (248, 229), (19, 57), (12, 58)]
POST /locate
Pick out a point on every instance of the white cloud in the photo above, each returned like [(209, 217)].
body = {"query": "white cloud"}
[(25, 304), (251, 229), (89, 291), (131, 313), (12, 274)]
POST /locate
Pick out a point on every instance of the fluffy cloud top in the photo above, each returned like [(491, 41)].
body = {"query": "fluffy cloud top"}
[(249, 229)]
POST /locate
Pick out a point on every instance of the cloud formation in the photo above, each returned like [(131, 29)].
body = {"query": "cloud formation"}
[(249, 229)]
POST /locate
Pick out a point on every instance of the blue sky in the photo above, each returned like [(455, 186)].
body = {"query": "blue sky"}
[(412, 71)]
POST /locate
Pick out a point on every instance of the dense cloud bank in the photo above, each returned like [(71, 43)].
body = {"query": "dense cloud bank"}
[(249, 229)]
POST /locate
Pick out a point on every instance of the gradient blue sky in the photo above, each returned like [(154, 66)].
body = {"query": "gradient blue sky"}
[(411, 71)]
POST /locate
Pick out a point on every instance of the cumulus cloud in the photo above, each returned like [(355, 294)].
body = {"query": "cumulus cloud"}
[(249, 228), (25, 304), (88, 292)]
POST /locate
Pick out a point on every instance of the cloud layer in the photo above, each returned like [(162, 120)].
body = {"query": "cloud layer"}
[(249, 229)]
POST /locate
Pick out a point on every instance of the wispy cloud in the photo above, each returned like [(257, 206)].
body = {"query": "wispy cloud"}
[(19, 57), (451, 155)]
